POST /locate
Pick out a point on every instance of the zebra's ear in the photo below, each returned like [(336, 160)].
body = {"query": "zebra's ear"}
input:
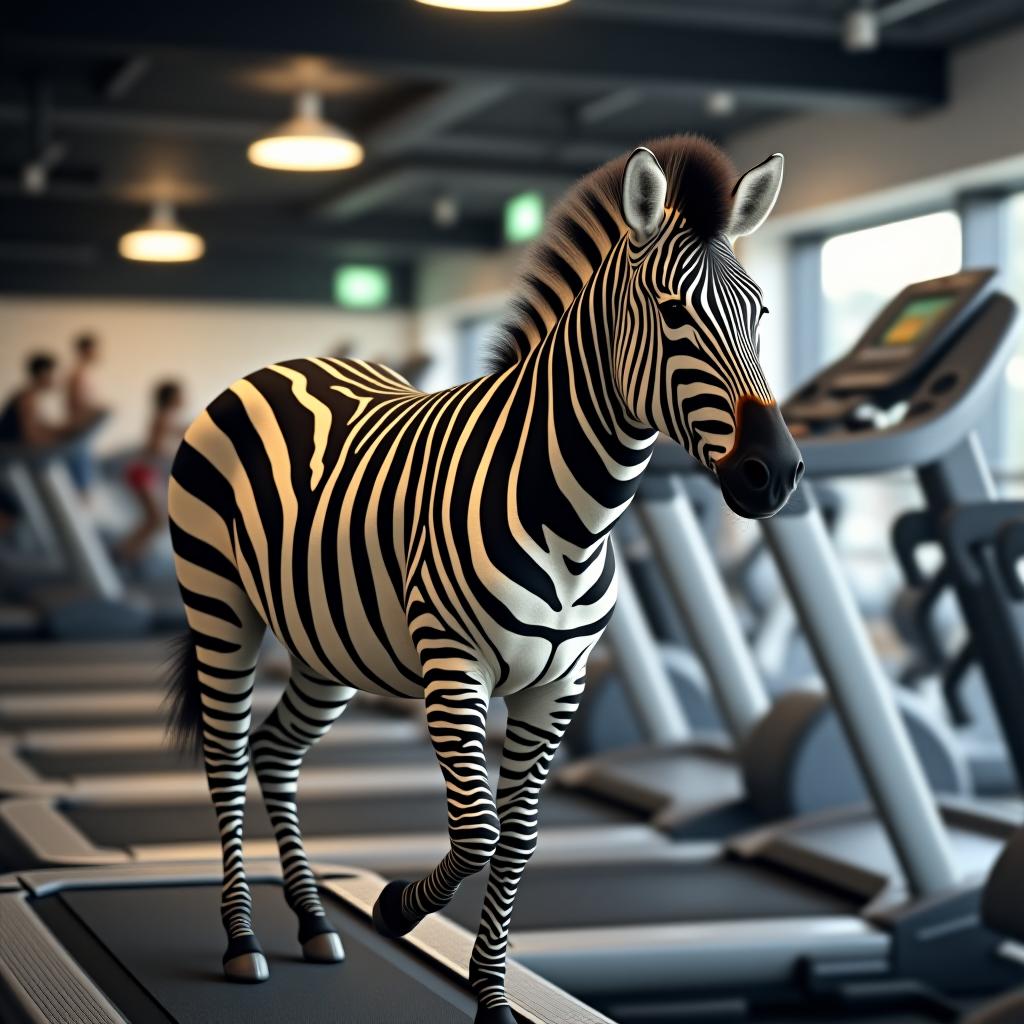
[(643, 194), (754, 196)]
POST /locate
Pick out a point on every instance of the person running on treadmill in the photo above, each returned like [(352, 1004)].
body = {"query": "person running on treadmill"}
[(22, 421), (82, 406), (147, 474)]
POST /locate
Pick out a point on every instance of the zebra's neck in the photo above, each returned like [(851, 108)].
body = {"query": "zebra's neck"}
[(597, 451)]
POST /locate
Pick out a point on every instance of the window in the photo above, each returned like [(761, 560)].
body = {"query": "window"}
[(862, 270), (1013, 422)]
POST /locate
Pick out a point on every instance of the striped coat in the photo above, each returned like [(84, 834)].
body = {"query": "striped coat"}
[(454, 546)]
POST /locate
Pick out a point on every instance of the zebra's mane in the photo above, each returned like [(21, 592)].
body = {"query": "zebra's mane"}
[(582, 229)]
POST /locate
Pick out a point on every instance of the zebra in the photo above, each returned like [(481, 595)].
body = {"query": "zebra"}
[(454, 547)]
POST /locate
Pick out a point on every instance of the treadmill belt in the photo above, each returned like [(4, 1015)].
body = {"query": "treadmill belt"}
[(135, 823), (59, 764), (169, 939), (603, 895)]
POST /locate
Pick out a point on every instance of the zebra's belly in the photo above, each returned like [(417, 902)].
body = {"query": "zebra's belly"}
[(535, 662), (352, 629)]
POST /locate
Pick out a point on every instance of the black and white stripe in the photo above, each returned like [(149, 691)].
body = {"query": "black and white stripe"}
[(453, 547)]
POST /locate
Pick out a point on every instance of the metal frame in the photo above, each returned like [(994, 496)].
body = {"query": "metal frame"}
[(19, 778), (39, 826)]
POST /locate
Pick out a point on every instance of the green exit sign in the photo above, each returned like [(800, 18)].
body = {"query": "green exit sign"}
[(524, 217), (362, 286)]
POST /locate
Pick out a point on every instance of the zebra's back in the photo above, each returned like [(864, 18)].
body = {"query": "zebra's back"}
[(291, 486)]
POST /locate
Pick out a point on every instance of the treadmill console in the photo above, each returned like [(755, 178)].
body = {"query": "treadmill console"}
[(902, 342)]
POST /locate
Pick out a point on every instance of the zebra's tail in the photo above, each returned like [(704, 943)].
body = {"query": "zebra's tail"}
[(182, 696)]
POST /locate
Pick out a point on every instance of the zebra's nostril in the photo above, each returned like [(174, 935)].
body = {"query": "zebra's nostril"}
[(755, 472), (798, 472)]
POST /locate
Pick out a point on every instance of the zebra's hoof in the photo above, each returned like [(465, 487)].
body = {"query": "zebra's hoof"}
[(388, 918), (325, 948), (249, 968), (494, 1015)]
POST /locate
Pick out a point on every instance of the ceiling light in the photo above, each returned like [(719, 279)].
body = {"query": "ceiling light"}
[(445, 211), (861, 30), (721, 103), (307, 142), (500, 6), (161, 240)]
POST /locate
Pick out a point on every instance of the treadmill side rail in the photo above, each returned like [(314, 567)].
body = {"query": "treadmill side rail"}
[(535, 1000), (44, 980)]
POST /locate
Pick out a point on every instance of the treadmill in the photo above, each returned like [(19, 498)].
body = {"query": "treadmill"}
[(839, 906), (80, 945), (83, 595), (46, 762), (785, 757)]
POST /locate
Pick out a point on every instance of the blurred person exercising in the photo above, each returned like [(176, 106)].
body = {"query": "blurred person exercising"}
[(83, 408), (22, 421), (146, 475)]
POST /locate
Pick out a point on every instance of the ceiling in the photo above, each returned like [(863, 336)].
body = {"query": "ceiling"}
[(130, 103)]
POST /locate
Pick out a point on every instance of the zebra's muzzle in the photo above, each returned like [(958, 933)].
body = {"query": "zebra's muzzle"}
[(764, 466)]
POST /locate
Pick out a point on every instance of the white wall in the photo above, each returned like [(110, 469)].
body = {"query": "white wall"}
[(452, 288), (976, 138), (207, 345)]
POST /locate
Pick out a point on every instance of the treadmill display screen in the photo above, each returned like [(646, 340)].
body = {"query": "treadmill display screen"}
[(914, 319)]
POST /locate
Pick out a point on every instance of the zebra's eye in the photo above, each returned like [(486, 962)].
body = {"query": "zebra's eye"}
[(675, 314)]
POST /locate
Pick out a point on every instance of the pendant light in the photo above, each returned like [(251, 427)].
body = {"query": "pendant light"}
[(161, 239), (306, 142), (496, 6)]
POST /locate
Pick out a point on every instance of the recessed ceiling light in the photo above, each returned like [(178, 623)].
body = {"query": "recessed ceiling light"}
[(721, 103), (861, 29), (502, 6), (307, 142), (161, 240), (445, 211)]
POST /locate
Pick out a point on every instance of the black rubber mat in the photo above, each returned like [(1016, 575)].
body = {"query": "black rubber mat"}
[(137, 822), (170, 939), (587, 895), (153, 715)]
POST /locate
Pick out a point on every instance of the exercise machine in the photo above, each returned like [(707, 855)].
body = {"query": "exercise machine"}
[(82, 594), (132, 942)]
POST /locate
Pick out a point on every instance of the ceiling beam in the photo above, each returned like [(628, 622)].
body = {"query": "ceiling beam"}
[(372, 192), (430, 115), (241, 229), (257, 279), (118, 79), (140, 123), (552, 50), (576, 154)]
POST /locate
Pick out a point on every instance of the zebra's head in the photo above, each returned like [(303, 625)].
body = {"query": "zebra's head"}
[(686, 350)]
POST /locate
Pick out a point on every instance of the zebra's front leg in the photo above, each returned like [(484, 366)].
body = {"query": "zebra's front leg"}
[(456, 709), (307, 709), (537, 720)]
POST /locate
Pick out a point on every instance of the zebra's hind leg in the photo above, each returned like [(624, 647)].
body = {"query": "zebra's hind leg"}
[(456, 709), (537, 720), (307, 709), (226, 670)]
